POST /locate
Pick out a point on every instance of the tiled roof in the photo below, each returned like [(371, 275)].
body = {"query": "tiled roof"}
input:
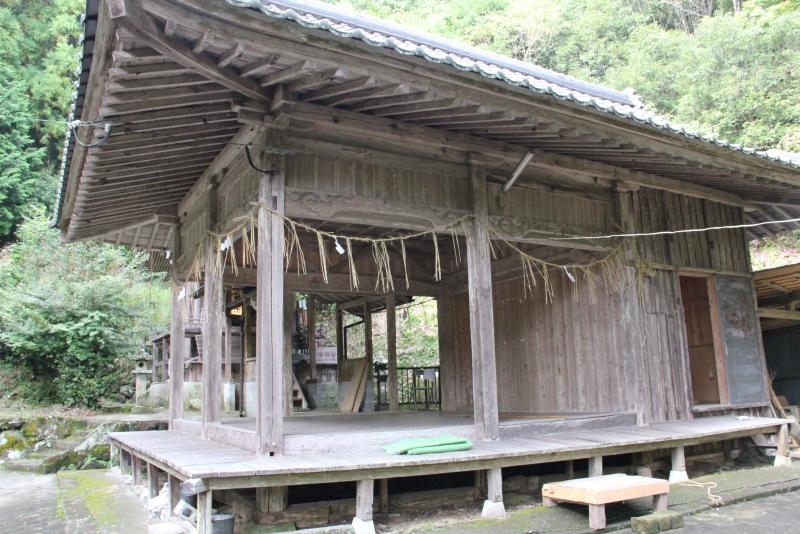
[(406, 41)]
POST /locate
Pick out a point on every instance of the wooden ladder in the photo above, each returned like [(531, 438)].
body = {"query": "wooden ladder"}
[(299, 400)]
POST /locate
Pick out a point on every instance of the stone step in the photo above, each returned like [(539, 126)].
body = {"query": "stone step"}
[(67, 444), (48, 461)]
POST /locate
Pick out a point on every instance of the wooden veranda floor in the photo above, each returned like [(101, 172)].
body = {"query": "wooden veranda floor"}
[(223, 467)]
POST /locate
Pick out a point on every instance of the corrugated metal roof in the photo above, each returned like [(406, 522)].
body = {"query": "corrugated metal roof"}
[(407, 41)]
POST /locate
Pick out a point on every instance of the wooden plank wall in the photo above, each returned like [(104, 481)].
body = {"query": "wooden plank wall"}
[(325, 175), (559, 213), (566, 356), (342, 189), (721, 250), (664, 349)]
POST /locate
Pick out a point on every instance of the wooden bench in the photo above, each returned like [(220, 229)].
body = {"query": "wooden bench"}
[(602, 490)]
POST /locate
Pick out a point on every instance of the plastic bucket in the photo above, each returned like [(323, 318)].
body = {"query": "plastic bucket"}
[(222, 524)]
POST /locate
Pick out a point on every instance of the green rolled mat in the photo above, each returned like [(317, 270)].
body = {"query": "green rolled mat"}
[(463, 446), (443, 443)]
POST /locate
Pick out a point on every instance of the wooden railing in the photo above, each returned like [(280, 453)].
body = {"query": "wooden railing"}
[(417, 387)]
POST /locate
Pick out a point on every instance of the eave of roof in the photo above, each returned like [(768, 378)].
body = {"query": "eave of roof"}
[(409, 42), (87, 41), (406, 41)]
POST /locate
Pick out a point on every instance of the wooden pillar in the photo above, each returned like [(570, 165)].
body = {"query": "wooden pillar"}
[(480, 484), (204, 506), (368, 337), (339, 344), (272, 499), (369, 354), (165, 359), (312, 337), (289, 317), (228, 350), (597, 516), (391, 349), (596, 466), (174, 492), (493, 506), (152, 480), (782, 457), (177, 353), (270, 318), (362, 522), (124, 462), (247, 352), (630, 316), (678, 471), (154, 362), (136, 469), (113, 455), (383, 496), (481, 314), (212, 338)]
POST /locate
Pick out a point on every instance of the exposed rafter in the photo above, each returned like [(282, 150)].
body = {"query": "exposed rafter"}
[(142, 25)]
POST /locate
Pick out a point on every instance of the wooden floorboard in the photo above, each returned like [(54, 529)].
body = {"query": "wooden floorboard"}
[(192, 457)]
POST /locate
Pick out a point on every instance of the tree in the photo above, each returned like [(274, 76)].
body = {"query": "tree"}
[(71, 314), (737, 76), (21, 161), (38, 56)]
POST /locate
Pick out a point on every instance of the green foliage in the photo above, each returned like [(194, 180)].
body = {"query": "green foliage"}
[(21, 160), (70, 314), (732, 74), (744, 80), (782, 249), (417, 335), (38, 56)]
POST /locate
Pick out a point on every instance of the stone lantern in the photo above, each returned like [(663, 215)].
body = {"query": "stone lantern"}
[(141, 373)]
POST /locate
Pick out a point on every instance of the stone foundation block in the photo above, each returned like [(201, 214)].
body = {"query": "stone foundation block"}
[(657, 522)]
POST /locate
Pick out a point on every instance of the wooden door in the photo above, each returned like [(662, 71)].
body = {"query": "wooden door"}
[(700, 338)]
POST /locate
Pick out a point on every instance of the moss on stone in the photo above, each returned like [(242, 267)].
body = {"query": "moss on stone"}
[(96, 492), (33, 426), (13, 440)]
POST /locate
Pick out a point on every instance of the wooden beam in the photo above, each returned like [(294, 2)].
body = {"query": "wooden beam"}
[(227, 155), (770, 313), (782, 300), (143, 26), (339, 283), (493, 154), (259, 67), (391, 349), (270, 318), (481, 314), (289, 73)]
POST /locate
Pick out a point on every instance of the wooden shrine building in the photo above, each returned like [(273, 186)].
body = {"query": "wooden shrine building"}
[(289, 147)]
